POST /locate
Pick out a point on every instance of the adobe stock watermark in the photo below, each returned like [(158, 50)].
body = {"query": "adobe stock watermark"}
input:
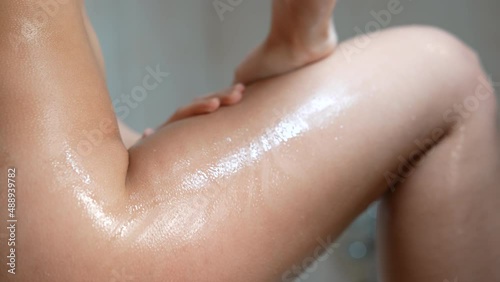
[(123, 105), (309, 265), (223, 6), (381, 19), (455, 280), (455, 115), (44, 11), (139, 93)]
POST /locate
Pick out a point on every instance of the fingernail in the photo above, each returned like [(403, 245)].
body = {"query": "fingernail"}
[(148, 131)]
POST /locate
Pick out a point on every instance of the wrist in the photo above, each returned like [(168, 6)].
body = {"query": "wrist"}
[(308, 42), (302, 37)]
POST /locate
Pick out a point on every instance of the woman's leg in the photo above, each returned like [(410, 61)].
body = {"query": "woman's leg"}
[(59, 133), (238, 195), (255, 188), (441, 223)]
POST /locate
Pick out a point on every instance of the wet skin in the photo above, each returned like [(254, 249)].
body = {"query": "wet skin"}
[(243, 194)]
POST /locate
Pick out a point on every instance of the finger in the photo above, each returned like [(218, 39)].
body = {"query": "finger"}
[(147, 132), (226, 96), (234, 96), (198, 108)]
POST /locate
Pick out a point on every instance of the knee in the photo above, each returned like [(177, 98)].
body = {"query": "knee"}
[(457, 61), (429, 51), (438, 43), (470, 91), (433, 46)]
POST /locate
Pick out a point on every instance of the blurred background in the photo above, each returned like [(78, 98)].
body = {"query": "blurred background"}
[(200, 46)]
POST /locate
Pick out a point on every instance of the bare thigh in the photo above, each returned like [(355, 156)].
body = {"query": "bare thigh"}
[(247, 192)]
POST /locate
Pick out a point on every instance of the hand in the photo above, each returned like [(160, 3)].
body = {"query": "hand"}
[(302, 33), (204, 105), (276, 58)]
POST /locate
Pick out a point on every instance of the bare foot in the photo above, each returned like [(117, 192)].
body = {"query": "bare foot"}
[(275, 57), (205, 105)]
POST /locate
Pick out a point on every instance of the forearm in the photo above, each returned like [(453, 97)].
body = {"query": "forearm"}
[(302, 32)]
